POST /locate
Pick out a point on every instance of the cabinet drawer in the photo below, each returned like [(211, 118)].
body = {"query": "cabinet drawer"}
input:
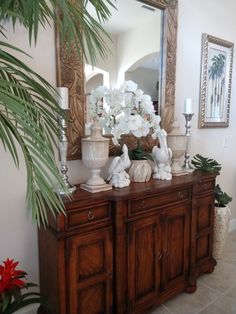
[(143, 204), (206, 186), (88, 216)]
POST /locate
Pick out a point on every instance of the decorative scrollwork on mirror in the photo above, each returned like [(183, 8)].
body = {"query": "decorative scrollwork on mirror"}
[(70, 73)]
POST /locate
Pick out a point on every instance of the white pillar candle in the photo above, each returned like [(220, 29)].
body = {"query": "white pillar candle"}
[(188, 106), (63, 98)]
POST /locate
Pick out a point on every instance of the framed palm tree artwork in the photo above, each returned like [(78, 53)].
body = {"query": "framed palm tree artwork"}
[(216, 77)]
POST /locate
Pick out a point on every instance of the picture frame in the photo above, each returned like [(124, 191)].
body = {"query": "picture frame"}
[(216, 81)]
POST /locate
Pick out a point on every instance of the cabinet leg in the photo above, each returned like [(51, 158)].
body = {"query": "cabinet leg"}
[(211, 267), (192, 286), (210, 270)]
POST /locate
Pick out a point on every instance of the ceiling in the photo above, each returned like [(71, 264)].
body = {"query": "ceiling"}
[(129, 14)]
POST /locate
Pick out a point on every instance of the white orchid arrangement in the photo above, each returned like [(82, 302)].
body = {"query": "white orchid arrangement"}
[(126, 110)]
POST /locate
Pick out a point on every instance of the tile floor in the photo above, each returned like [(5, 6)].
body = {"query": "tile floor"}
[(216, 292)]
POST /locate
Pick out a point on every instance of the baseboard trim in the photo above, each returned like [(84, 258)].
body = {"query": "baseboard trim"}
[(232, 226)]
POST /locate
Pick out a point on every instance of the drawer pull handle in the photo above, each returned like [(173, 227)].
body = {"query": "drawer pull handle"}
[(90, 215), (181, 195), (205, 186), (143, 204)]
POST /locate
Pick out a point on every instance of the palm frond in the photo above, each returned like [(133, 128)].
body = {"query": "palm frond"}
[(76, 26), (28, 103), (23, 116)]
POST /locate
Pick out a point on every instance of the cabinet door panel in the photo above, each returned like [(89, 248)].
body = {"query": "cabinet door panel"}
[(90, 272), (203, 247), (92, 299), (205, 216), (204, 212), (144, 254), (176, 245)]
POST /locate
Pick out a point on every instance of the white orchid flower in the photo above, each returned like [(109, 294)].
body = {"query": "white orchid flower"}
[(100, 91), (155, 121), (124, 110), (130, 86), (138, 92), (141, 130)]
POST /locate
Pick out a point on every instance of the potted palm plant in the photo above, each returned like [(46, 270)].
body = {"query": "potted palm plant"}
[(28, 104), (221, 221)]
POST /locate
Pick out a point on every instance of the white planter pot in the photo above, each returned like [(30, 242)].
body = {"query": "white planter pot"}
[(140, 171), (221, 229)]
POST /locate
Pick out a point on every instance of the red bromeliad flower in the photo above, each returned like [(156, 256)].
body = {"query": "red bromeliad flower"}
[(11, 284), (10, 276)]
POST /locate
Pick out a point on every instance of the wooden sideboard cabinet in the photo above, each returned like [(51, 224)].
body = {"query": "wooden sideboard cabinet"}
[(128, 250)]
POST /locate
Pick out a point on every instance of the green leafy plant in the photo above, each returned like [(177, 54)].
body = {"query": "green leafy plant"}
[(12, 289), (221, 198), (211, 165), (205, 164), (138, 153), (28, 103)]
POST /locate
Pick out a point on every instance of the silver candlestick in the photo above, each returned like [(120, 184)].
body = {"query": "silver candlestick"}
[(187, 164), (63, 146)]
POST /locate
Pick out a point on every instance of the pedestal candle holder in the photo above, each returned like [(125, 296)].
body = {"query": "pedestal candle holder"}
[(62, 147), (187, 164)]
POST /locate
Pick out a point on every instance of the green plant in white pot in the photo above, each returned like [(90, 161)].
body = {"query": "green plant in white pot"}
[(221, 211), (28, 104), (221, 221), (205, 164)]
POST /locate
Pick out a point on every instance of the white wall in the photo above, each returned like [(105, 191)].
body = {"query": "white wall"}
[(18, 238), (135, 44), (215, 18), (94, 82), (129, 47), (146, 80), (109, 64)]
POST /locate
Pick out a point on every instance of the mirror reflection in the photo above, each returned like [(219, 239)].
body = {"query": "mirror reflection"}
[(135, 51)]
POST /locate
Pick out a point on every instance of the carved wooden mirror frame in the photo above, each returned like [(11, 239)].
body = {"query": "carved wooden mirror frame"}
[(70, 73)]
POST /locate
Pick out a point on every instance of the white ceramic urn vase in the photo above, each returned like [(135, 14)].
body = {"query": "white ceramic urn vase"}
[(177, 143), (95, 151), (221, 229)]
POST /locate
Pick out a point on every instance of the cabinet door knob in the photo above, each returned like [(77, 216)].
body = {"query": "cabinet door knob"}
[(181, 195), (143, 204), (159, 256), (90, 215)]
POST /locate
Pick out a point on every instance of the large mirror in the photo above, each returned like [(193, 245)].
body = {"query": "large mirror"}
[(143, 50)]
